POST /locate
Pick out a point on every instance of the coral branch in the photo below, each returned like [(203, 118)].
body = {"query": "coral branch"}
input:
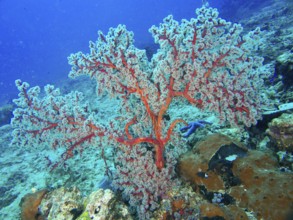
[(54, 120)]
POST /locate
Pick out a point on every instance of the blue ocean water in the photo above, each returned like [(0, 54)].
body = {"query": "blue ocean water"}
[(37, 36)]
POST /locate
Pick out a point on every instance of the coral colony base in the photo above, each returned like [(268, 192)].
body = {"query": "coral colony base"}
[(205, 62)]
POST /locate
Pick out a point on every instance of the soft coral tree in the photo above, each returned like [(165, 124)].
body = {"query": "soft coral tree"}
[(54, 120), (204, 61)]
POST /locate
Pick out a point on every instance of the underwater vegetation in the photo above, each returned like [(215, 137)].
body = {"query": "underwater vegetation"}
[(154, 172)]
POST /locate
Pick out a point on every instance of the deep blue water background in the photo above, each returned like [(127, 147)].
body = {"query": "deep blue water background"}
[(36, 36)]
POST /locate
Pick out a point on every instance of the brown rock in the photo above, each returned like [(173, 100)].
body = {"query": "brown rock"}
[(29, 205), (281, 131)]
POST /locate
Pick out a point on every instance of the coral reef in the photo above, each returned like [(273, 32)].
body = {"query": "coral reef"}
[(180, 202), (205, 62), (248, 180), (284, 66), (61, 204), (139, 180), (68, 204), (103, 204), (275, 21), (281, 131)]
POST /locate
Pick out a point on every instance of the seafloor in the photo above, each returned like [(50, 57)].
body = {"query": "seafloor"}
[(257, 186)]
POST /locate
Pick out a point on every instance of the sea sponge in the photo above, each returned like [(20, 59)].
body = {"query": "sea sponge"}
[(29, 205), (264, 189), (205, 164)]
